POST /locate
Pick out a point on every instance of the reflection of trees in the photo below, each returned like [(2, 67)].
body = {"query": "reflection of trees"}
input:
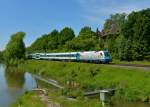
[(14, 77)]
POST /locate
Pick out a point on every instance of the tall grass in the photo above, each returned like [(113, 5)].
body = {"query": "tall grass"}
[(29, 100), (131, 84), (144, 62)]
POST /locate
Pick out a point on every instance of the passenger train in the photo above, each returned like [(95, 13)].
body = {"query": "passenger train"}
[(87, 56)]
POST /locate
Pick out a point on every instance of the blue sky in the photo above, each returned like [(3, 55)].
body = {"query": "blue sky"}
[(36, 17)]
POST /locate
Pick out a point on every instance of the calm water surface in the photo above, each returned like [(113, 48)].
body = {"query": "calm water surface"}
[(13, 85)]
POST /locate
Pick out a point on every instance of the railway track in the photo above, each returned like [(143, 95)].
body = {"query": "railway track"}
[(147, 67)]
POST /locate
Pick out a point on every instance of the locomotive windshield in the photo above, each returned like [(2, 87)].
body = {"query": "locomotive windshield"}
[(106, 54)]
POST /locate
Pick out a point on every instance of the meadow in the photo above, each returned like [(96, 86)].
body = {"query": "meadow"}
[(29, 100), (144, 62), (131, 84)]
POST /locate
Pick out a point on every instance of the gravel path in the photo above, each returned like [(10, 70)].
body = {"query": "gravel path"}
[(45, 98)]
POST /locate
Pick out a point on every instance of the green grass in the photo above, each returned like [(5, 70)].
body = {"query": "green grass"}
[(29, 100), (115, 61), (79, 102), (131, 84)]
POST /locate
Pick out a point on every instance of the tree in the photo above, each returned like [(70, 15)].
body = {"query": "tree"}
[(15, 48), (86, 32), (112, 31), (41, 44), (53, 40), (126, 52), (114, 24), (136, 31), (1, 56), (86, 40), (65, 35)]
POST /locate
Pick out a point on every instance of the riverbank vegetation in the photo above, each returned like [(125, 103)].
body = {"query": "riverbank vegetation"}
[(29, 100), (14, 53), (32, 99), (127, 37), (1, 56), (145, 62), (131, 84)]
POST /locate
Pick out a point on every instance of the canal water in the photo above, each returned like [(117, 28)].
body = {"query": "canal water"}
[(14, 84)]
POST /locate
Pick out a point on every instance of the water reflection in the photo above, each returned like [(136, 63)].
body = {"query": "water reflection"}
[(13, 84), (14, 78)]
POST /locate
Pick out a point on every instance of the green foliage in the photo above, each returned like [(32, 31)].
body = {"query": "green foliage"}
[(115, 61), (14, 62), (86, 32), (74, 93), (65, 35), (85, 77), (110, 37), (39, 44), (15, 49), (136, 32), (126, 37), (66, 41), (79, 102), (114, 24), (52, 41), (86, 40), (1, 56), (29, 100)]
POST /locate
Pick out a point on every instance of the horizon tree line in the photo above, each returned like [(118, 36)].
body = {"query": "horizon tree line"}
[(127, 37)]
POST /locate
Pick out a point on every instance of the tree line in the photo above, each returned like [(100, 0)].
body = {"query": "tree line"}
[(132, 38), (65, 40), (127, 37)]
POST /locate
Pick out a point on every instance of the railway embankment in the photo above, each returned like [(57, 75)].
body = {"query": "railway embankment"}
[(132, 63), (80, 77)]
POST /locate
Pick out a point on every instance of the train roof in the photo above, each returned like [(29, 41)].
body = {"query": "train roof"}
[(64, 53), (57, 53)]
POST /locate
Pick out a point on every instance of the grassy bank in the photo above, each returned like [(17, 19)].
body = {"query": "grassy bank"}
[(115, 61), (79, 102), (32, 99), (29, 100), (131, 84)]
